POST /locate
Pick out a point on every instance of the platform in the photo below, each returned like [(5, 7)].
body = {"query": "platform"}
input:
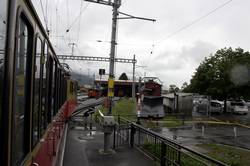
[(83, 149)]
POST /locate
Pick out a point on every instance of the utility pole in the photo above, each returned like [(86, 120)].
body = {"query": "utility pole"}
[(116, 5), (73, 46), (88, 76), (107, 127), (133, 84)]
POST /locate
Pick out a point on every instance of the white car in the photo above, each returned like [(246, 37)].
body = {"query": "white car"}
[(216, 107), (237, 107)]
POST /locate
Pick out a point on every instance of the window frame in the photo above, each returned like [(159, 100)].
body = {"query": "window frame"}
[(22, 16), (4, 122), (37, 37)]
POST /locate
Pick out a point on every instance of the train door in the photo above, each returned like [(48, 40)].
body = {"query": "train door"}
[(21, 90), (3, 22)]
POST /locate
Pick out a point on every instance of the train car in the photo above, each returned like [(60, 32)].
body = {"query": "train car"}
[(36, 92), (151, 101), (94, 93)]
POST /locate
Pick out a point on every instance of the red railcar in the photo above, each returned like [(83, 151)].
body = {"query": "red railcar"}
[(151, 99), (94, 93)]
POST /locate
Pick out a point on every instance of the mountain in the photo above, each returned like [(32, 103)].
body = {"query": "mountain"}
[(83, 79)]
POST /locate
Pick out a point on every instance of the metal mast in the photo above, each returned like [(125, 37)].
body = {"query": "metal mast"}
[(116, 5)]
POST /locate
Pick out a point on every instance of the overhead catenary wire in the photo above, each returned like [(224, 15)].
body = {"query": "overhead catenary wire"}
[(44, 18), (194, 21), (79, 24), (47, 18), (77, 17)]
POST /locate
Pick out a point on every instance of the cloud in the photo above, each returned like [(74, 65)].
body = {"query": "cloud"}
[(197, 52), (187, 56), (176, 67)]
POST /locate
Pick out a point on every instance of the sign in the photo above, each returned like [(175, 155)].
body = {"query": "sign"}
[(101, 71), (111, 83), (111, 87)]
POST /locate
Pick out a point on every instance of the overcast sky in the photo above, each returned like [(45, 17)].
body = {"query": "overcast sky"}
[(171, 48)]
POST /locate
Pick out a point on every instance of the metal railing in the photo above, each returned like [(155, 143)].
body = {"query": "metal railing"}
[(165, 151)]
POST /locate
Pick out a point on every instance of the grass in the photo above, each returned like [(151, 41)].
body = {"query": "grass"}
[(168, 121), (171, 155), (229, 155), (125, 108)]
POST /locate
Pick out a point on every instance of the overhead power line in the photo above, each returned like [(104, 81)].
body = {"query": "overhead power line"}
[(78, 17), (45, 21), (195, 21), (79, 22)]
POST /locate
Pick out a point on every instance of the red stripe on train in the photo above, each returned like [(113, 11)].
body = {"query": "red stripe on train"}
[(47, 153)]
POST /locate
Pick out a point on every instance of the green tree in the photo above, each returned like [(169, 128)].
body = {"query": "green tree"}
[(123, 76), (184, 86), (226, 74)]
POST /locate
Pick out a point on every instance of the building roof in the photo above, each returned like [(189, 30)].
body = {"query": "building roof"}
[(171, 95)]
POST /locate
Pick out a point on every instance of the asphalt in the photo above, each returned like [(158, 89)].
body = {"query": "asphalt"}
[(83, 149), (219, 134)]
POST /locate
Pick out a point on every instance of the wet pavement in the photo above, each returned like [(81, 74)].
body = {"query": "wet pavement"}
[(220, 134), (243, 119), (83, 148)]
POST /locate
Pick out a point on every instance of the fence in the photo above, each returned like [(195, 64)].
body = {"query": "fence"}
[(165, 151)]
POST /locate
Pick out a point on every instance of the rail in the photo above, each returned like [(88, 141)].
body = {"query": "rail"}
[(82, 107), (164, 150)]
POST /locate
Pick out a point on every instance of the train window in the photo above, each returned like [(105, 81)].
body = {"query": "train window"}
[(3, 7), (44, 64), (58, 88), (21, 91), (3, 11), (49, 87), (53, 89), (3, 22), (36, 104)]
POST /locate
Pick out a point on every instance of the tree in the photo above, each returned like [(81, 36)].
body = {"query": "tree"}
[(184, 86), (226, 74), (173, 89), (123, 76)]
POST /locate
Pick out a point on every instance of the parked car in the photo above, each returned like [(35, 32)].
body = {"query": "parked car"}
[(247, 103), (202, 105), (237, 107), (216, 107)]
